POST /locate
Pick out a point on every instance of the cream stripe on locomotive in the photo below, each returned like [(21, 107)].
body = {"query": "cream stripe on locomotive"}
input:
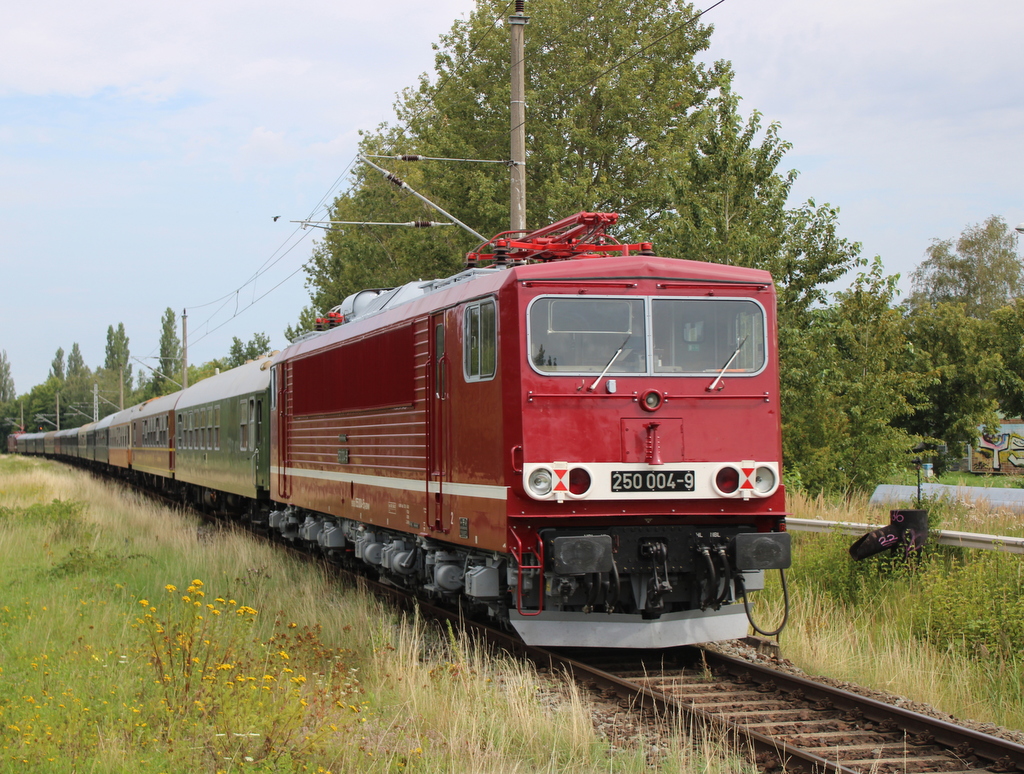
[(405, 484), (627, 480)]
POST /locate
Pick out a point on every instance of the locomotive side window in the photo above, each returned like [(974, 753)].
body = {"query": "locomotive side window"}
[(701, 336), (480, 341), (588, 335)]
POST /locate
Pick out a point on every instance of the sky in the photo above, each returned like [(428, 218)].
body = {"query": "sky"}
[(146, 148)]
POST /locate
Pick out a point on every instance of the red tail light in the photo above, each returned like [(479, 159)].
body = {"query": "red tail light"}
[(579, 481), (728, 480)]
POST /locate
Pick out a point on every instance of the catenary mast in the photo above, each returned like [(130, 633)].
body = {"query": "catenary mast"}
[(517, 25)]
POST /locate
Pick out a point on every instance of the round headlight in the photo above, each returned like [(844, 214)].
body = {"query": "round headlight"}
[(727, 480), (540, 482), (764, 480)]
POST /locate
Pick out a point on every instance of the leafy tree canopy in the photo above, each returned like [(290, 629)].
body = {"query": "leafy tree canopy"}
[(622, 117), (76, 363), (57, 366), (960, 370), (6, 380), (167, 376), (845, 390), (117, 354), (242, 352), (981, 269)]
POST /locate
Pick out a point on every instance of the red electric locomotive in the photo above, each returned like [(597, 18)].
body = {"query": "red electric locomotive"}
[(581, 439)]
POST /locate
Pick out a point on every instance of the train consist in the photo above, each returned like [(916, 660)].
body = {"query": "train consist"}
[(573, 437)]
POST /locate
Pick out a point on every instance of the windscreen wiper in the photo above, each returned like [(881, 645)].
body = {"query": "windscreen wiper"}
[(618, 352), (728, 363)]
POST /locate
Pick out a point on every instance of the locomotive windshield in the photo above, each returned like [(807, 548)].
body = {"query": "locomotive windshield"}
[(687, 336)]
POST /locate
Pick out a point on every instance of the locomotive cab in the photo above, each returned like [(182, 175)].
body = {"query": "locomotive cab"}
[(650, 497)]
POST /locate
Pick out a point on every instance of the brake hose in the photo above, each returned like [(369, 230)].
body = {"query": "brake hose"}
[(712, 585), (726, 573), (746, 605)]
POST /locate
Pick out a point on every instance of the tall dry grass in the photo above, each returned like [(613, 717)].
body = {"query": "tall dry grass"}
[(131, 639), (875, 623)]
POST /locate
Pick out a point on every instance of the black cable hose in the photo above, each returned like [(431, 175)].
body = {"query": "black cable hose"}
[(618, 587), (746, 605), (712, 585), (726, 575), (592, 591)]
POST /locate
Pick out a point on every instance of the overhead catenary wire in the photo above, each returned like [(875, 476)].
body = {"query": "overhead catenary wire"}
[(417, 157), (283, 250), (409, 223)]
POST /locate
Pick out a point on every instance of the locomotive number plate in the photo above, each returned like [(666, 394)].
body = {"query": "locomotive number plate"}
[(652, 481)]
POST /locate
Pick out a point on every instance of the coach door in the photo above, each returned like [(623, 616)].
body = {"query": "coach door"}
[(279, 412), (437, 427)]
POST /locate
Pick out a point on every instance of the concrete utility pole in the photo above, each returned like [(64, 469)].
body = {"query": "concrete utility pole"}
[(120, 399), (517, 26), (58, 410), (184, 349)]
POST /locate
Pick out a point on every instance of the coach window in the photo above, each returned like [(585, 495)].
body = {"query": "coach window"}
[(253, 437), (216, 427), (243, 426), (480, 341)]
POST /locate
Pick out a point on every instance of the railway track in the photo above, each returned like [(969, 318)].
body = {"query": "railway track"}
[(785, 722), (791, 723)]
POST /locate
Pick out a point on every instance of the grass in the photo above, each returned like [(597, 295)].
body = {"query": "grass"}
[(132, 641), (946, 629), (908, 477)]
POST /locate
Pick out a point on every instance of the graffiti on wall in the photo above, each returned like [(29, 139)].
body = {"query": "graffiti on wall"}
[(1002, 453)]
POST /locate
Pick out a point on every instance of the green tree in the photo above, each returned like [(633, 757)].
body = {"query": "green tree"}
[(241, 352), (57, 366), (731, 206), (168, 370), (6, 380), (981, 270), (118, 355), (76, 363), (615, 91), (41, 406), (196, 373), (1008, 341), (846, 368), (960, 372), (305, 323), (77, 382)]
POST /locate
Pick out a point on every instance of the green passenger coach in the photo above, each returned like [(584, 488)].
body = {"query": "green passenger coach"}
[(222, 441)]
